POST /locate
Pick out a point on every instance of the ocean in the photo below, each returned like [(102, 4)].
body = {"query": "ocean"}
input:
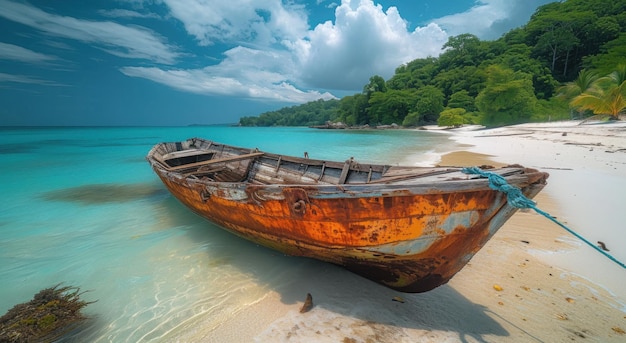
[(81, 207)]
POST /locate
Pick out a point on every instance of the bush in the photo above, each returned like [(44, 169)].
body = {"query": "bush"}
[(452, 117)]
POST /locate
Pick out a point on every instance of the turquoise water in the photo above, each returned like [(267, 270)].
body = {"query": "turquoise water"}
[(82, 207)]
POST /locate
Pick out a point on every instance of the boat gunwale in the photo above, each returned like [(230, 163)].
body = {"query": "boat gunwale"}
[(516, 175)]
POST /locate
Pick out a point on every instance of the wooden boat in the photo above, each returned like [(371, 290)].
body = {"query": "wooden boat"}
[(408, 228)]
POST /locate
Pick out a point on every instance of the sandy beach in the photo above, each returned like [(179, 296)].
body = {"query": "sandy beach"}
[(533, 282)]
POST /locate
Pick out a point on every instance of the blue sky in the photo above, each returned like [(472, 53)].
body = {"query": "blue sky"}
[(180, 62)]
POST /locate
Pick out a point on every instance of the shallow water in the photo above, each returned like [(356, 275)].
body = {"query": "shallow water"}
[(82, 207)]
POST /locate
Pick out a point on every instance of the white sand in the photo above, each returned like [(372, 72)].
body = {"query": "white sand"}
[(551, 287), (588, 181)]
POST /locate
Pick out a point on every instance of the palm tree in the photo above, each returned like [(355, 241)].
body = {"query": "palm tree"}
[(606, 95), (584, 82)]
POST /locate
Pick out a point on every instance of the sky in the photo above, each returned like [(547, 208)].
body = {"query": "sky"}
[(182, 62)]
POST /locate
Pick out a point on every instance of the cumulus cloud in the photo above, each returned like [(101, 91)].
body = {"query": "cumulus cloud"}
[(363, 41), (119, 40), (18, 53), (496, 17)]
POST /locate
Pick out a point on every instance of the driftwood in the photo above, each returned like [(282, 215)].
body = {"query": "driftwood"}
[(51, 313), (308, 304)]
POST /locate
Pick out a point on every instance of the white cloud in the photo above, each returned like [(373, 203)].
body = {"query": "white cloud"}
[(25, 79), (363, 41), (123, 13), (244, 72), (17, 53), (259, 22), (130, 42), (489, 19)]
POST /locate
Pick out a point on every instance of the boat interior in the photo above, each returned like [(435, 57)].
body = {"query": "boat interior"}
[(210, 161)]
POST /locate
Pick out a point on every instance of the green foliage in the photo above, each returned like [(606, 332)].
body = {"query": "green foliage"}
[(563, 33), (414, 74), (429, 103), (462, 99), (452, 117), (507, 98), (377, 84), (552, 110), (412, 119), (353, 109), (312, 113), (612, 54), (606, 95), (461, 51), (390, 107)]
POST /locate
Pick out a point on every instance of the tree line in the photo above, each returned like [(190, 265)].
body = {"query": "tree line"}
[(529, 74)]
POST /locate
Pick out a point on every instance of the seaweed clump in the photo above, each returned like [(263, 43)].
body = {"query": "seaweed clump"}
[(53, 312)]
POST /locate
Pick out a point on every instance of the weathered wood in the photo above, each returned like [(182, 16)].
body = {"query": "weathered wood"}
[(344, 172), (215, 161), (185, 153)]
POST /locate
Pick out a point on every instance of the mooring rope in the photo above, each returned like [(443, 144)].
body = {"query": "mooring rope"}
[(517, 199)]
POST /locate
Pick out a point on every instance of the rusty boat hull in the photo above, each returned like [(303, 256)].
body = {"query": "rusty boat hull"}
[(408, 228)]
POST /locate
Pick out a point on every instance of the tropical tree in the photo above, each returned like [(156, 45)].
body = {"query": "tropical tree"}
[(584, 82), (607, 95), (462, 99), (376, 84), (508, 97), (391, 106), (429, 103)]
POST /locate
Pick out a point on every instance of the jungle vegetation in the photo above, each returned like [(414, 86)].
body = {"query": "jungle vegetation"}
[(567, 62)]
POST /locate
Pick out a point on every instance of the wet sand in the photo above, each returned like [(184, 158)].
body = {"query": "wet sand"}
[(533, 282)]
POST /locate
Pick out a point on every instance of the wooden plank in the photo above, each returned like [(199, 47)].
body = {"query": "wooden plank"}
[(217, 160), (415, 175), (344, 172), (185, 153)]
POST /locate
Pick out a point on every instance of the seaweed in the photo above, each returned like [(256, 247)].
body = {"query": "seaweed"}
[(51, 313)]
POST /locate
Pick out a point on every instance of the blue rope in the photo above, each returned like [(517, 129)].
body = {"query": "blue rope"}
[(517, 199)]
